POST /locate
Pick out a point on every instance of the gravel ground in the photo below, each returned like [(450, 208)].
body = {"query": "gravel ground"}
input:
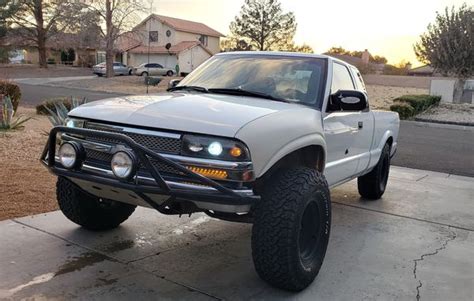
[(33, 71), (26, 187), (445, 112)]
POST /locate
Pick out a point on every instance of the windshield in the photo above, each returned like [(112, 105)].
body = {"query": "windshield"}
[(295, 79)]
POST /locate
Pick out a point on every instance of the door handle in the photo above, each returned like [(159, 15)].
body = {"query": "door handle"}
[(360, 125)]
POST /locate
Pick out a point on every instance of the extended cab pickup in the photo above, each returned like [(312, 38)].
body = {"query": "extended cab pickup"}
[(248, 136)]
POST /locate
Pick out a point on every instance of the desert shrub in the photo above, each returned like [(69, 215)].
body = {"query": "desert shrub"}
[(11, 90), (42, 108), (7, 121), (58, 109), (403, 109), (411, 105)]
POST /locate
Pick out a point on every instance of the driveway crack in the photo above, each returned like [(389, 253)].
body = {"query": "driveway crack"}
[(451, 237)]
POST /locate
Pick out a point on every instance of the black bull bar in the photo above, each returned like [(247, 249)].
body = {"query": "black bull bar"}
[(219, 194)]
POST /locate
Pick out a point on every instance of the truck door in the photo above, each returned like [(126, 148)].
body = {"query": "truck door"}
[(340, 129), (365, 128)]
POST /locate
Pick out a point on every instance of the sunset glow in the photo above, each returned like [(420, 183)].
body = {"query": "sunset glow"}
[(388, 28)]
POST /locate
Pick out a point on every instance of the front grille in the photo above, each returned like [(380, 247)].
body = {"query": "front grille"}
[(154, 143), (103, 159)]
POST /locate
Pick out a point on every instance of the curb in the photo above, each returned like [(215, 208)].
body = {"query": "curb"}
[(461, 123), (439, 125)]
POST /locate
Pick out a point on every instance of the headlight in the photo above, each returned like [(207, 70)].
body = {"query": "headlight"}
[(214, 148), (71, 154), (123, 165), (74, 123)]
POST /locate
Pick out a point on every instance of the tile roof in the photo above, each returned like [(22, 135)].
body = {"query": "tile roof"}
[(185, 25)]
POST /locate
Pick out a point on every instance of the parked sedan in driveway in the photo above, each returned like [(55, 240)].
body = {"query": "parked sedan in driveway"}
[(119, 69), (152, 69)]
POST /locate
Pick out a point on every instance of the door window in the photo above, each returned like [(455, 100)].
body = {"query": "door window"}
[(341, 79)]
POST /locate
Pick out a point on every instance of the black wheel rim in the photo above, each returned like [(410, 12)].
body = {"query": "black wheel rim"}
[(309, 234), (384, 172)]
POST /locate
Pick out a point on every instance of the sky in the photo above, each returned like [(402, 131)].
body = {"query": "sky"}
[(384, 27)]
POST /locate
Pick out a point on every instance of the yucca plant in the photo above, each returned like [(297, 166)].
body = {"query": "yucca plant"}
[(58, 116), (8, 122)]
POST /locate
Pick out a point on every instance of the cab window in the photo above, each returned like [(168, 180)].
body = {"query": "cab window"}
[(359, 80), (341, 79)]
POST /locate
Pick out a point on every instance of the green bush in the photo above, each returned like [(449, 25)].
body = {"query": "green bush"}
[(417, 103), (11, 90), (403, 109)]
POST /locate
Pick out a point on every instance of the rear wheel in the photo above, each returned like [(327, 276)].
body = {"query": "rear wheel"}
[(372, 185), (144, 74), (169, 73), (89, 211), (291, 228)]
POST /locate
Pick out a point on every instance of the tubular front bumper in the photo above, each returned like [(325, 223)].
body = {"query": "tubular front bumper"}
[(206, 190)]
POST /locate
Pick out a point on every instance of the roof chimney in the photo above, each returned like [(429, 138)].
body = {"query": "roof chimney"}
[(365, 57)]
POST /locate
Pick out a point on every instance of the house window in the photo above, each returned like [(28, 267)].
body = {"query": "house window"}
[(203, 39), (153, 36)]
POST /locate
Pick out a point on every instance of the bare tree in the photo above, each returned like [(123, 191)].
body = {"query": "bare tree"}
[(116, 18), (448, 45), (40, 19)]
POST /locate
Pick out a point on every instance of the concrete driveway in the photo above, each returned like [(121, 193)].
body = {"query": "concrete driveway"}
[(415, 243)]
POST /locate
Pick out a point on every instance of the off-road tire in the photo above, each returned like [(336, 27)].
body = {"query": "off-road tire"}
[(89, 211), (372, 185), (278, 249)]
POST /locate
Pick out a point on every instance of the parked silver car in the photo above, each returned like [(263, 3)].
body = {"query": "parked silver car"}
[(119, 69), (152, 69)]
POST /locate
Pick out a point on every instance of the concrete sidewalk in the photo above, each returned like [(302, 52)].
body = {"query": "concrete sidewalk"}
[(415, 243)]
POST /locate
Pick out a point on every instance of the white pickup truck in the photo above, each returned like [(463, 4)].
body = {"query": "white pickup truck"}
[(254, 137)]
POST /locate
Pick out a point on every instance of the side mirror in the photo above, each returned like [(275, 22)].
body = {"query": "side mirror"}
[(173, 83), (347, 100)]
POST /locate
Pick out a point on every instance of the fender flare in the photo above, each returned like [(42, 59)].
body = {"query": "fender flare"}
[(294, 145)]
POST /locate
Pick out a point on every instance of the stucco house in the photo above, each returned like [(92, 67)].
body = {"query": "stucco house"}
[(169, 42)]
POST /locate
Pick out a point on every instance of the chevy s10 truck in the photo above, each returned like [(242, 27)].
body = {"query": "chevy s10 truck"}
[(256, 137)]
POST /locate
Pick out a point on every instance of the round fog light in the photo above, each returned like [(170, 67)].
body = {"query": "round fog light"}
[(68, 154), (123, 165)]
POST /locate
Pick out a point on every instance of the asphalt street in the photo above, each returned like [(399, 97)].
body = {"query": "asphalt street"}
[(442, 148), (436, 148), (33, 95)]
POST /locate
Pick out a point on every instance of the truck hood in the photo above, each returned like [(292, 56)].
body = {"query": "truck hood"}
[(212, 114)]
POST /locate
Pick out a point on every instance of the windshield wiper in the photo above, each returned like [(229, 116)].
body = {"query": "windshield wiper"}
[(240, 91), (193, 88)]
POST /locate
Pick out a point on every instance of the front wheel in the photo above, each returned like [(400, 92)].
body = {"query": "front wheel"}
[(144, 74), (372, 185), (291, 228), (169, 73), (89, 211)]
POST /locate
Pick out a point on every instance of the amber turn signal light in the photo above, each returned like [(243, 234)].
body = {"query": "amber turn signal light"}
[(209, 172), (235, 152)]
